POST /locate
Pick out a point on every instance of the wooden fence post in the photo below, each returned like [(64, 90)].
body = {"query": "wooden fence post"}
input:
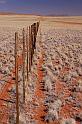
[(23, 33), (16, 78)]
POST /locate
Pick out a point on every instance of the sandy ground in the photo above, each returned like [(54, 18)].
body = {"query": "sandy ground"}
[(54, 90)]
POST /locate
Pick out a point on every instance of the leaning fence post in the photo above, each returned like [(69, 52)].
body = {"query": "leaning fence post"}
[(23, 33), (16, 78)]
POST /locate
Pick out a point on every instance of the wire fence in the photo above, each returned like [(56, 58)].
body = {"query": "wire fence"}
[(29, 45), (10, 102)]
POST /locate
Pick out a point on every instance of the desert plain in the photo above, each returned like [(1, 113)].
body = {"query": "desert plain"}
[(54, 88)]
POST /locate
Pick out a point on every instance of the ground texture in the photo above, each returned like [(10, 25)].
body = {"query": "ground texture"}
[(54, 89)]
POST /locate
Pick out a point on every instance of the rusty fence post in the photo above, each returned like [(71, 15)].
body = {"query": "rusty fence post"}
[(35, 33), (27, 45), (31, 44), (35, 28), (23, 56), (16, 78), (33, 37), (38, 23), (29, 48)]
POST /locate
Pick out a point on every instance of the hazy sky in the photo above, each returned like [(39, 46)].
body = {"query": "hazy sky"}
[(45, 7)]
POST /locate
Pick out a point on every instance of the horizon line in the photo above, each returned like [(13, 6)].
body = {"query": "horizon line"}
[(20, 13)]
